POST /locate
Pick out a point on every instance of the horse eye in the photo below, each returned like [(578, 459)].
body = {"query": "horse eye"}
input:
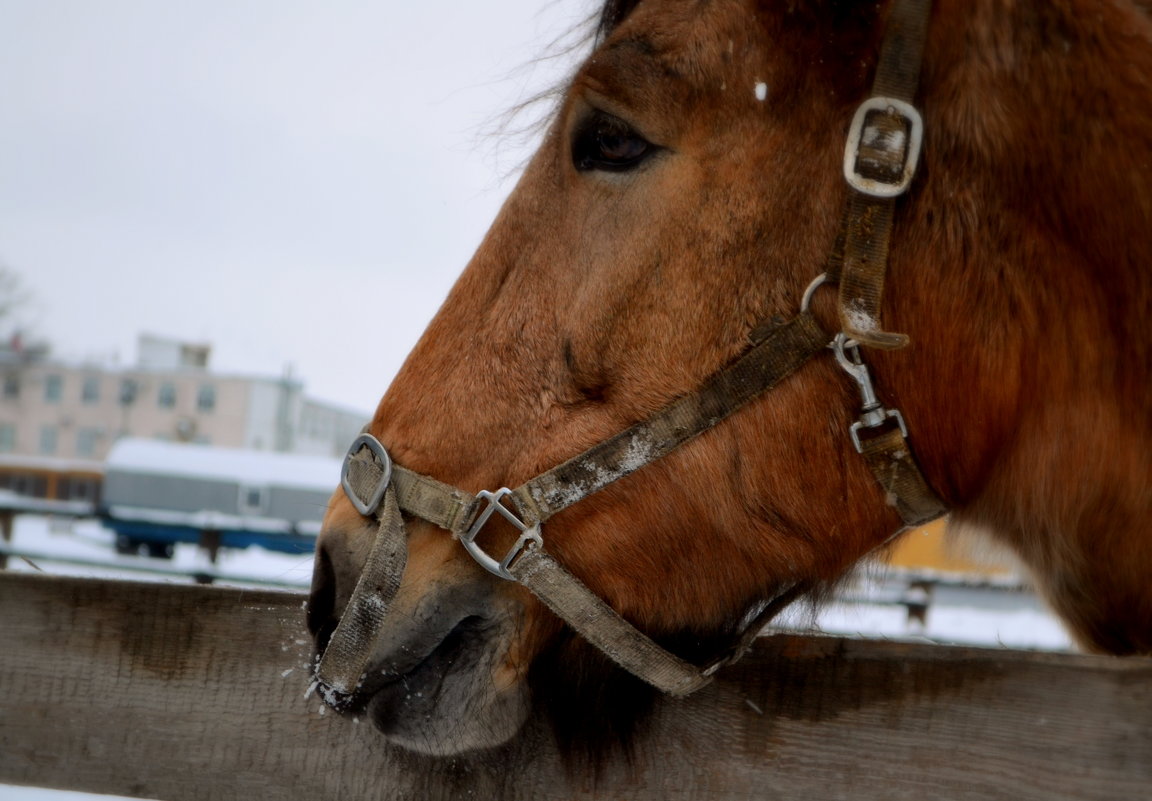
[(604, 142)]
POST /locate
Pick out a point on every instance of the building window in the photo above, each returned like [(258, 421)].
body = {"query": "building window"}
[(53, 388), (206, 398), (166, 396), (48, 437), (7, 437), (90, 390), (86, 441), (128, 390), (76, 488), (25, 484), (11, 386)]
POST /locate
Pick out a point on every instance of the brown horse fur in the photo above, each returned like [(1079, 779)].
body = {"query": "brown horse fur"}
[(1019, 267)]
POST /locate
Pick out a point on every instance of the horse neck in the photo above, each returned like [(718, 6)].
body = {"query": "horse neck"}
[(1020, 271)]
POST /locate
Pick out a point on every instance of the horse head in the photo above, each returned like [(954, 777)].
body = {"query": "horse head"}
[(688, 191)]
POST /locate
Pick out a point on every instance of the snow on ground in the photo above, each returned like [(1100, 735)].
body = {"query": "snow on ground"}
[(1010, 622), (9, 792), (89, 542), (1005, 616), (989, 615), (882, 602)]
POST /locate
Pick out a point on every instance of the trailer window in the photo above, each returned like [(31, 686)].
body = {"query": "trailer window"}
[(252, 500)]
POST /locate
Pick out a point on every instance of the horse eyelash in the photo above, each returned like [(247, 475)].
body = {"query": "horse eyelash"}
[(587, 141)]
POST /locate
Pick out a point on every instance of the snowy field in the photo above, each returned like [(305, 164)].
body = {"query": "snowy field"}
[(11, 793), (984, 615), (67, 547), (990, 616)]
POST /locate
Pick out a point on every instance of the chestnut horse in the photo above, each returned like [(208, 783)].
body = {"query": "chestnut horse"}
[(689, 189)]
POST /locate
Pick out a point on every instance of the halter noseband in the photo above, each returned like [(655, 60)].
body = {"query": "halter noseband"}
[(883, 147)]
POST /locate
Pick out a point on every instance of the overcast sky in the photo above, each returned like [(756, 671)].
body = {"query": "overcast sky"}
[(287, 180)]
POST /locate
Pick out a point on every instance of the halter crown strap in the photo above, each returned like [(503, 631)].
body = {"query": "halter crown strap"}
[(879, 161)]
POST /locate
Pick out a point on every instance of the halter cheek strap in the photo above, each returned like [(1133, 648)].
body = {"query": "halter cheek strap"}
[(346, 657)]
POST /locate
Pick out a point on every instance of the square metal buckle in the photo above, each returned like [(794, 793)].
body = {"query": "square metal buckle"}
[(902, 148), (528, 534)]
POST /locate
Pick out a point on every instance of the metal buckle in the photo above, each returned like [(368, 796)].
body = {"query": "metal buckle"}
[(369, 507), (902, 149), (528, 534), (889, 414), (872, 412)]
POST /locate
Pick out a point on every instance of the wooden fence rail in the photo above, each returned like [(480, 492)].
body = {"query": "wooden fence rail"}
[(186, 692)]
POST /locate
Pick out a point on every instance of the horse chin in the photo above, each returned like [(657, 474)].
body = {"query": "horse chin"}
[(461, 697)]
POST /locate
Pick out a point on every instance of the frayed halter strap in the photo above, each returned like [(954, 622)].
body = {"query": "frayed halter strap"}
[(880, 157)]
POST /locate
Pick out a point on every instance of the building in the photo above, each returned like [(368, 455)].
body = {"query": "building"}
[(74, 412)]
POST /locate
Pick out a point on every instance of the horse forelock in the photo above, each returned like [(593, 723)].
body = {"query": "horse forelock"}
[(612, 14)]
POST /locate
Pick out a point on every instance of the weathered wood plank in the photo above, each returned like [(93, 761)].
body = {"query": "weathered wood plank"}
[(179, 692)]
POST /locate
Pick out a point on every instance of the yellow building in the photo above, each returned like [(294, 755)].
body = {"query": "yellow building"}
[(931, 548)]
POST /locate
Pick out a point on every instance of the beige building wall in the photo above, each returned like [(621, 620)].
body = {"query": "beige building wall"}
[(77, 411)]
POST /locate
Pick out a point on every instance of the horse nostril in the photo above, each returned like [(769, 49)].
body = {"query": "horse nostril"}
[(322, 600), (324, 635)]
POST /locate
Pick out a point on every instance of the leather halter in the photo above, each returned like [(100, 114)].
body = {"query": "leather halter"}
[(880, 157)]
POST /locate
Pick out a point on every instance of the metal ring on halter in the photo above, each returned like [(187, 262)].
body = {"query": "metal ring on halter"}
[(806, 299), (366, 507)]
